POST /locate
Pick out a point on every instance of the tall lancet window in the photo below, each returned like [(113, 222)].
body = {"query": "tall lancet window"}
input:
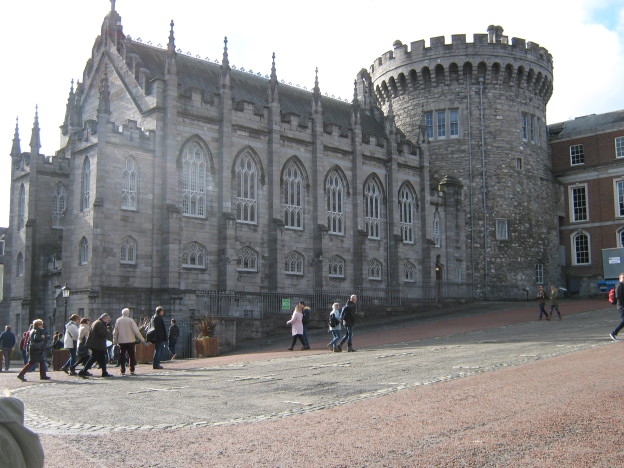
[(129, 185), (21, 208), (293, 197), (335, 203), (372, 208), (59, 203), (194, 181), (85, 201), (246, 190)]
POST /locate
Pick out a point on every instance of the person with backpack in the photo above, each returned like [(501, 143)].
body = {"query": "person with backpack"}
[(305, 320), (554, 301), (348, 320), (334, 326), (619, 295), (36, 351)]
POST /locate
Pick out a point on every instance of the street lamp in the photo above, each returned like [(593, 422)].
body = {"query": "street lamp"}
[(65, 290)]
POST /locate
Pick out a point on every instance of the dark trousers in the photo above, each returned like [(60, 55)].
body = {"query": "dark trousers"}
[(300, 339), (126, 354), (348, 336), (172, 345), (6, 355), (621, 325), (33, 364), (553, 308), (542, 311), (98, 356)]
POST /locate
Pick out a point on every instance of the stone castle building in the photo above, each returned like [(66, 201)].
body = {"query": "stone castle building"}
[(178, 179)]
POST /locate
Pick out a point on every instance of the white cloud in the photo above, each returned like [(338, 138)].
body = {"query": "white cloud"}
[(44, 51)]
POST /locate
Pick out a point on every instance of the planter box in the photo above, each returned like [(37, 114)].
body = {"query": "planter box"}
[(144, 354), (59, 358), (207, 347)]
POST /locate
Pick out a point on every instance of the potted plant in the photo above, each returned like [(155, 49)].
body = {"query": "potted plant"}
[(206, 344), (144, 354)]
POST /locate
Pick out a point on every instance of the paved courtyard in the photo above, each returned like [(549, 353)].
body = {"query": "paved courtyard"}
[(270, 407)]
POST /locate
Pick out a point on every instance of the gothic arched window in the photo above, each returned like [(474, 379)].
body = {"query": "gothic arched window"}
[(128, 254), (247, 259), (336, 267), (246, 189), (129, 185), (21, 208), (85, 200), (335, 203), (372, 208), (374, 269), (83, 251), (293, 196), (293, 263), (435, 231), (194, 181), (409, 272), (59, 203), (194, 256), (19, 269), (406, 214)]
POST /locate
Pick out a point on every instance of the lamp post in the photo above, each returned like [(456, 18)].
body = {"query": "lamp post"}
[(65, 290)]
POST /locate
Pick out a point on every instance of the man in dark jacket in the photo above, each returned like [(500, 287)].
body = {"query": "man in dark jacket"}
[(619, 294), (160, 342), (7, 342), (348, 320), (96, 342), (174, 333)]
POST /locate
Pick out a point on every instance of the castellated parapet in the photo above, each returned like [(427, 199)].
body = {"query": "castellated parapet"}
[(480, 107)]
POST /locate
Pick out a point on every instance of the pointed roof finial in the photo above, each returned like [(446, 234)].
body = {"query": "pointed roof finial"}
[(356, 101), (15, 149), (112, 5), (273, 69), (35, 138), (226, 61), (273, 83), (171, 43)]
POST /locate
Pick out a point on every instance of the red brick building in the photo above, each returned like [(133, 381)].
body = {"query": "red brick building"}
[(588, 160)]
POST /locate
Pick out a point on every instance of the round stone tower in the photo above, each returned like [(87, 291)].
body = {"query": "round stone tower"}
[(480, 109)]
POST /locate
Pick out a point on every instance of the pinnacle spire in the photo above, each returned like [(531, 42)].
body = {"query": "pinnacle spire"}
[(113, 5), (171, 43), (273, 83), (35, 138), (316, 92), (226, 61), (15, 149)]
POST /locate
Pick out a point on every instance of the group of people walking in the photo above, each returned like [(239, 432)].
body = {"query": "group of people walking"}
[(90, 344), (542, 297), (338, 318)]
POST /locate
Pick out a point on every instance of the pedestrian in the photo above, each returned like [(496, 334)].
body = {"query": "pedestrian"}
[(305, 310), (57, 341), (71, 341), (7, 342), (36, 351), (82, 351), (126, 334), (174, 333), (24, 346), (296, 323), (96, 342), (554, 301), (619, 295), (541, 301), (334, 326), (348, 320), (160, 336)]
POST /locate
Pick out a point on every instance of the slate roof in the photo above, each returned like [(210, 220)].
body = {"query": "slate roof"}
[(246, 87), (581, 125)]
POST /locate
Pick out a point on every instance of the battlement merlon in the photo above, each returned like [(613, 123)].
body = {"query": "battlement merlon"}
[(482, 44)]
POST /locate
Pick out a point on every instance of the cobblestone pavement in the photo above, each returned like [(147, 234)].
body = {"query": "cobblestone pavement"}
[(253, 389)]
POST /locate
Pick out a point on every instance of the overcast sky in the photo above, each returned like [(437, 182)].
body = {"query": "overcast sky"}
[(47, 43)]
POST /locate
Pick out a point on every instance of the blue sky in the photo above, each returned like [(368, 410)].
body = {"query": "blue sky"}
[(43, 52)]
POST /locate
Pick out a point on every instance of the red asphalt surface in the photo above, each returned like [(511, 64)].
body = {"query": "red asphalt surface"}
[(564, 411)]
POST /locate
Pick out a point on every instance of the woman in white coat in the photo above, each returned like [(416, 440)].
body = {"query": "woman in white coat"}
[(296, 323), (334, 327), (71, 342)]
